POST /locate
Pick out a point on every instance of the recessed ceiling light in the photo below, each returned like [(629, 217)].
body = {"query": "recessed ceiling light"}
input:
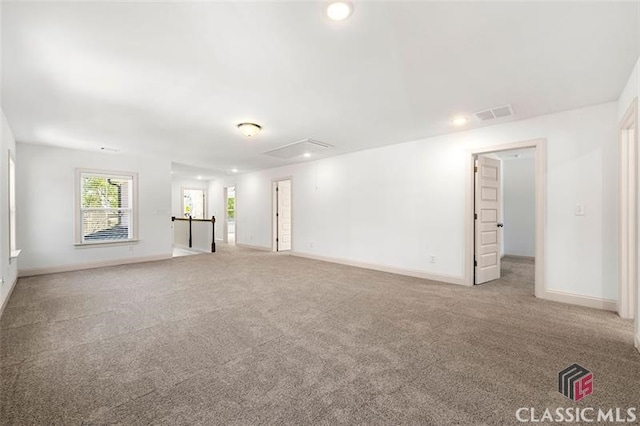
[(199, 177), (234, 170), (307, 154), (339, 10), (459, 121), (249, 129)]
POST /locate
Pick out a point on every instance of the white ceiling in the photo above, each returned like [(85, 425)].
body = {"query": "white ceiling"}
[(172, 79), (186, 171)]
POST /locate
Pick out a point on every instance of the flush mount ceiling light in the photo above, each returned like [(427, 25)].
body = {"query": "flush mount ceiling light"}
[(234, 170), (459, 121), (307, 154), (249, 129), (339, 10)]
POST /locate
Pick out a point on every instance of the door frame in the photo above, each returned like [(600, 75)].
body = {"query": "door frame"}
[(274, 207), (225, 195), (628, 213), (540, 146)]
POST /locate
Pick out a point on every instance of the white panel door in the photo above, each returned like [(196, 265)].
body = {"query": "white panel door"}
[(487, 210), (284, 215)]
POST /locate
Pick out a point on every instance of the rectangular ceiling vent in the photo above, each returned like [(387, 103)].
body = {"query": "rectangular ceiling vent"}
[(493, 113), (299, 148)]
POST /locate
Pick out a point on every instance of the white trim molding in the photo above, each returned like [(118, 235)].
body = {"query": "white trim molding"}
[(90, 265), (580, 300), (637, 342), (627, 212), (6, 301), (133, 208), (449, 279)]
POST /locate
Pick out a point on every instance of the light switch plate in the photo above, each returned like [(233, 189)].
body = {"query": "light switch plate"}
[(579, 210)]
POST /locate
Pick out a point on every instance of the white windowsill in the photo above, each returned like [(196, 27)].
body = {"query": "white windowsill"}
[(107, 243), (15, 253)]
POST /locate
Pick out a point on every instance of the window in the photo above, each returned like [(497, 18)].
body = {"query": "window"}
[(106, 207), (193, 203)]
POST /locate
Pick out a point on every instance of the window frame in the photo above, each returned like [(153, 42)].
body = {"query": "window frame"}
[(78, 234)]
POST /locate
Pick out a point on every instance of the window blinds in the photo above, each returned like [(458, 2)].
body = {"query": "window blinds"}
[(106, 207)]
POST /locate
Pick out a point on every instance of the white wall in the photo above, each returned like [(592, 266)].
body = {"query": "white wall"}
[(518, 186), (630, 92), (8, 270), (176, 192), (46, 191), (397, 205), (217, 205)]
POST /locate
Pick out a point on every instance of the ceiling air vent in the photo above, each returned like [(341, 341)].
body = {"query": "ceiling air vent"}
[(493, 113), (299, 148)]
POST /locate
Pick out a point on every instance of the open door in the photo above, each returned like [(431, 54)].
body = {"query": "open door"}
[(487, 212), (283, 215), (229, 228)]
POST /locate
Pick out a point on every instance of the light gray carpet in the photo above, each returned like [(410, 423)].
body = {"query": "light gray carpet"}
[(247, 337)]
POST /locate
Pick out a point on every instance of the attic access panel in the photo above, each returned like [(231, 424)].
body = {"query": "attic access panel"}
[(299, 148)]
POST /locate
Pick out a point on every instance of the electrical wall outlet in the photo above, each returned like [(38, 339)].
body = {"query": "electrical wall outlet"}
[(311, 244), (432, 259)]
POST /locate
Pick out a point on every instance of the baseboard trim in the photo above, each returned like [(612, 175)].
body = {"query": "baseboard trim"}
[(578, 299), (6, 301), (249, 246), (449, 279), (89, 265), (637, 342)]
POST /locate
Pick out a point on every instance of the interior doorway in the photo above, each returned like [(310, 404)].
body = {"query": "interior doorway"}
[(486, 224), (282, 218), (504, 217), (628, 213), (229, 232)]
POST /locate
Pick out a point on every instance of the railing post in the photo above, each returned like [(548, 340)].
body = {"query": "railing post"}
[(190, 235), (213, 234)]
